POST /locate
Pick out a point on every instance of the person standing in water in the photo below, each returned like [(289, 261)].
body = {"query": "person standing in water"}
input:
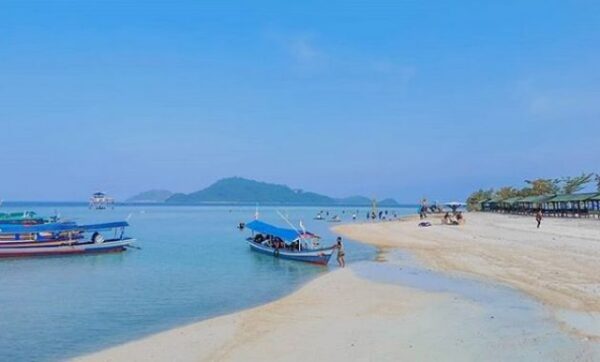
[(538, 218), (340, 255)]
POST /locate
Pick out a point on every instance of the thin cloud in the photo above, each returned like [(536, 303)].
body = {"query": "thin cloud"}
[(559, 103), (303, 50)]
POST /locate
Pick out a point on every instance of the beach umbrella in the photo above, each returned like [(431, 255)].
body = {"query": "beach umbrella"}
[(455, 205)]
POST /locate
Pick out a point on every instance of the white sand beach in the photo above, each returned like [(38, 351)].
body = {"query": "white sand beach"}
[(343, 316), (559, 263)]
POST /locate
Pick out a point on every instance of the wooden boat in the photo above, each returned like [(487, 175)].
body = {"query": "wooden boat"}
[(61, 239), (287, 243), (24, 218)]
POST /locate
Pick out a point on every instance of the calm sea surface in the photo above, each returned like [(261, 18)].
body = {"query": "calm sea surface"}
[(193, 264)]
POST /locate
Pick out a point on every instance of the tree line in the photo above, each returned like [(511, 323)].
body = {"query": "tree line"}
[(537, 187)]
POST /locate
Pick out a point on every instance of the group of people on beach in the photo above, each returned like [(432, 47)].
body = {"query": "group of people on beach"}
[(454, 219)]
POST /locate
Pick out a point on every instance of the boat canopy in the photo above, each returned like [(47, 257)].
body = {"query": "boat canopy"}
[(58, 227), (264, 228)]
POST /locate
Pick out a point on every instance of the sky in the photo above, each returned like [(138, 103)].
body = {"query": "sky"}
[(399, 99)]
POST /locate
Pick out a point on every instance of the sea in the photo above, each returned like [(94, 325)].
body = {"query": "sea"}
[(191, 263)]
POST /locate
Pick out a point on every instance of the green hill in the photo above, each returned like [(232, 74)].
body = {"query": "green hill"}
[(152, 196), (388, 203), (240, 190), (237, 190)]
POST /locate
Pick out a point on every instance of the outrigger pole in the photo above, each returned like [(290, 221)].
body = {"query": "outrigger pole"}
[(292, 226)]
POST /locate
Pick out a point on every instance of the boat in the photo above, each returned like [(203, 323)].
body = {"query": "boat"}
[(319, 217), (24, 218), (62, 238), (100, 201), (335, 219), (287, 243)]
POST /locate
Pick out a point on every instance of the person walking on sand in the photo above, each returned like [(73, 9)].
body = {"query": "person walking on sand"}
[(340, 255), (538, 218)]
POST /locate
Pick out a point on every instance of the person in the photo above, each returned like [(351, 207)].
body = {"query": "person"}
[(340, 255), (446, 219), (423, 209), (459, 218), (538, 218)]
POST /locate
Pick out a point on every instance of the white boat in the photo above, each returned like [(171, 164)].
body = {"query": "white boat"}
[(62, 238), (287, 243), (65, 249)]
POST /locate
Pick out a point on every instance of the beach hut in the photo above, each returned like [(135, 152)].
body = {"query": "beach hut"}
[(593, 205), (533, 203), (508, 205), (490, 204), (570, 205), (485, 205)]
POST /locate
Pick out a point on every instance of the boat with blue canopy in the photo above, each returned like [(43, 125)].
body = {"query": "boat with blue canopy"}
[(287, 243), (61, 238)]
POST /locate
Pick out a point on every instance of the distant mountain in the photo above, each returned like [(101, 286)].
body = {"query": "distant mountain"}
[(237, 190), (152, 196), (240, 190), (388, 203)]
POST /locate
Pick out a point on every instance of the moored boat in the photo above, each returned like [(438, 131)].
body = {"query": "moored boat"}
[(62, 238), (24, 218), (287, 243)]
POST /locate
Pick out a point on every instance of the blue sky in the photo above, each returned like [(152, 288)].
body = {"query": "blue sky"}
[(381, 98)]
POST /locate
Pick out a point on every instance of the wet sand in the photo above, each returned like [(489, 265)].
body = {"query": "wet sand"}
[(397, 309), (558, 264)]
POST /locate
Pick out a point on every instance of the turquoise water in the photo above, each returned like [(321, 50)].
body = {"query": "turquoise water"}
[(193, 264)]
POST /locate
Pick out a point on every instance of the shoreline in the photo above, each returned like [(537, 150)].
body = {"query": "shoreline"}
[(558, 265), (353, 314)]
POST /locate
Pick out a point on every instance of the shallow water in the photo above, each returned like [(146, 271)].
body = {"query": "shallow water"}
[(518, 327), (193, 264)]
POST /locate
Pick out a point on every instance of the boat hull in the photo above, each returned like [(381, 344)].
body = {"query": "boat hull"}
[(109, 246), (319, 256)]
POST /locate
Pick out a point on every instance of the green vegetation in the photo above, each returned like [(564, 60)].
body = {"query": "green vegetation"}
[(152, 196), (238, 190), (384, 203), (540, 186), (576, 184), (474, 201), (537, 187)]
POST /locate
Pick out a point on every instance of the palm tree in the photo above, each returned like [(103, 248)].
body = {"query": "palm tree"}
[(475, 199), (541, 186), (572, 185)]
